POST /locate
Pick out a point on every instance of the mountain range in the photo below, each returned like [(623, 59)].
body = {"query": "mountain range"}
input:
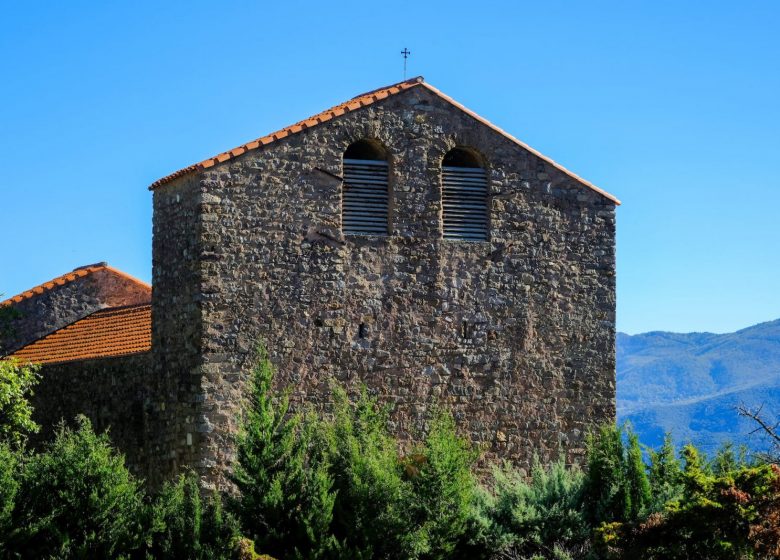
[(690, 384)]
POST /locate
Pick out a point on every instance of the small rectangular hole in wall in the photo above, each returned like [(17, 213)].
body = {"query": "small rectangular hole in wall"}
[(362, 331)]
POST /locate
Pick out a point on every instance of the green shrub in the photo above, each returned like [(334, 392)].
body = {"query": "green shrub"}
[(665, 475), (187, 526), (77, 500), (9, 486), (717, 516), (729, 459), (541, 517), (282, 474)]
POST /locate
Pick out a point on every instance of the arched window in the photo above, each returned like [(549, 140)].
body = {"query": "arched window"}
[(364, 200), (464, 196)]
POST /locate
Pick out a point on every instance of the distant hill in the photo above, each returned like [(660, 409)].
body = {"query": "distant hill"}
[(690, 383)]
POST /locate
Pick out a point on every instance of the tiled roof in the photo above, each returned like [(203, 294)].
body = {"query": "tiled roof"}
[(116, 331), (353, 104), (80, 272)]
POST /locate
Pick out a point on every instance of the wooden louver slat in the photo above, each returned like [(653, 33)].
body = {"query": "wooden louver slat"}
[(364, 203), (464, 203)]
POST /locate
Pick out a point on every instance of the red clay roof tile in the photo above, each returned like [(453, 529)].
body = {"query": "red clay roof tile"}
[(354, 104), (117, 331)]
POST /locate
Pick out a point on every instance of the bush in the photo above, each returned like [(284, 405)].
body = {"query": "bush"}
[(442, 488), (337, 488), (187, 526), (371, 512), (9, 486), (665, 475), (77, 500), (541, 517), (726, 516)]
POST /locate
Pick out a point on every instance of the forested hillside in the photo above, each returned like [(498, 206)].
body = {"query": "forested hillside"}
[(690, 384)]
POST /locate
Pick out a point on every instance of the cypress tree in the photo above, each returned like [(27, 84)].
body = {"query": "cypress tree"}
[(665, 474), (638, 485), (281, 472)]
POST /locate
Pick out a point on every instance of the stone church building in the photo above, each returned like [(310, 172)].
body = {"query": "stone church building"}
[(397, 240)]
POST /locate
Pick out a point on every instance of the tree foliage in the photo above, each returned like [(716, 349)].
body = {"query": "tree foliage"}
[(282, 474), (185, 525), (541, 517), (16, 386), (340, 485), (616, 483), (76, 499)]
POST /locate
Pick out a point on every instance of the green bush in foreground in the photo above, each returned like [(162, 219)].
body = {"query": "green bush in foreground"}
[(184, 525), (339, 487), (282, 475), (541, 517), (76, 499), (719, 515)]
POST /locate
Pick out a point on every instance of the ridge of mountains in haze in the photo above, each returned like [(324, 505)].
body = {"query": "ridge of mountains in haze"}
[(690, 384)]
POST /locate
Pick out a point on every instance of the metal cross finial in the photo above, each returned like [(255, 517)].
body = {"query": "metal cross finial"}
[(406, 52)]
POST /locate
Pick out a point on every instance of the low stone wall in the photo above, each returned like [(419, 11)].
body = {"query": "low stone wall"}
[(112, 392)]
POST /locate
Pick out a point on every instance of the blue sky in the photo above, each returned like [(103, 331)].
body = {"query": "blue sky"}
[(671, 106)]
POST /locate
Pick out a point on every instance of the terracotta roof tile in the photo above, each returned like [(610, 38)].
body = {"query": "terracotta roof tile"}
[(354, 104), (320, 118), (116, 331), (77, 273)]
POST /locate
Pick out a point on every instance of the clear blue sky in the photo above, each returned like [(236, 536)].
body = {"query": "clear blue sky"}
[(673, 107)]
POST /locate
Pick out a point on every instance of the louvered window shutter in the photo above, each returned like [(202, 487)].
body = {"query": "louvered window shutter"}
[(464, 203), (364, 200)]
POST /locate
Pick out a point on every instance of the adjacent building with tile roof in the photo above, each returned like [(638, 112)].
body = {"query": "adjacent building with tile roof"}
[(398, 241), (59, 302)]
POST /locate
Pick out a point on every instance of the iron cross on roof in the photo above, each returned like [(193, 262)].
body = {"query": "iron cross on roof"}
[(406, 52)]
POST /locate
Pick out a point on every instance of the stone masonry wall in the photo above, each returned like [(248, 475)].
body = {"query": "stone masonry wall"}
[(176, 329), (514, 335), (59, 306), (112, 392)]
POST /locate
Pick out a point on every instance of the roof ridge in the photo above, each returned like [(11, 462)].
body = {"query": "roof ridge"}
[(411, 81), (357, 102), (67, 278), (119, 309)]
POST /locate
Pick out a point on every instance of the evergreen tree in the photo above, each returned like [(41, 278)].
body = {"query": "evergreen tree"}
[(607, 496), (729, 459), (665, 474), (282, 473), (185, 525), (77, 500), (371, 513), (443, 488), (636, 479)]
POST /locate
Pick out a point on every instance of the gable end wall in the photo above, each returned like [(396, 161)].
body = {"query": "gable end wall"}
[(514, 335)]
